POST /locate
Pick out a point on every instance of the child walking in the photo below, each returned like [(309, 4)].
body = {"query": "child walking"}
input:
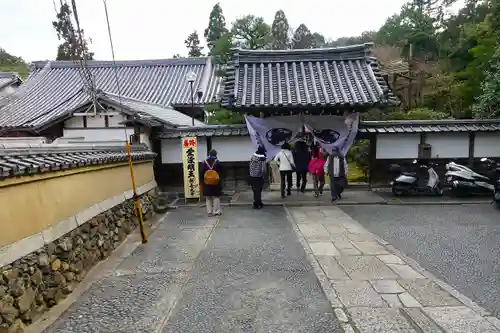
[(316, 168)]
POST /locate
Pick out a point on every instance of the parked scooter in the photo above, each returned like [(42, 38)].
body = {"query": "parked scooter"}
[(464, 181), (411, 183)]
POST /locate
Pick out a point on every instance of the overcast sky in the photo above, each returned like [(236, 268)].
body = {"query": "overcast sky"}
[(153, 29)]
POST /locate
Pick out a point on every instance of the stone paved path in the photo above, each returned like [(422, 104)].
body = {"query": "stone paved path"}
[(373, 288), (244, 272)]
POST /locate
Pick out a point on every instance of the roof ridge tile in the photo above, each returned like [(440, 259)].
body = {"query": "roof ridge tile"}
[(122, 63)]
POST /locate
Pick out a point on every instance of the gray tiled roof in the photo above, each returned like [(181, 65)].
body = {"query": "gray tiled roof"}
[(55, 87), (9, 78), (429, 126), (160, 113), (208, 130), (331, 77), (34, 159)]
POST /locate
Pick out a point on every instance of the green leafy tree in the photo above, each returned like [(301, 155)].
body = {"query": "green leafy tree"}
[(10, 63), (410, 27), (365, 37), (192, 43), (221, 50), (279, 30), (416, 114), (73, 43), (359, 155), (219, 116), (445, 93), (488, 103), (216, 26), (251, 32), (302, 38), (318, 40)]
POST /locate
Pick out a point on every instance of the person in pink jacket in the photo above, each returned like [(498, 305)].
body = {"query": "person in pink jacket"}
[(316, 168)]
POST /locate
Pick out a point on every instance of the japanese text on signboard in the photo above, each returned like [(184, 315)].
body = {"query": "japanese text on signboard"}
[(190, 164)]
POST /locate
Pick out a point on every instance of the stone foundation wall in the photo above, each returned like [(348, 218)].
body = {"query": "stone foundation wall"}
[(39, 280)]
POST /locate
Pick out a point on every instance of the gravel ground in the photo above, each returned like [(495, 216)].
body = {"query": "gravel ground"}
[(459, 244)]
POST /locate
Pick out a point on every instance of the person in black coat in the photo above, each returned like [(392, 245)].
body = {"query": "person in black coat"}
[(213, 190), (301, 156), (257, 171)]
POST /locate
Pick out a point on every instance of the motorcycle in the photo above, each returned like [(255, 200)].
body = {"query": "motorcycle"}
[(464, 181), (411, 182)]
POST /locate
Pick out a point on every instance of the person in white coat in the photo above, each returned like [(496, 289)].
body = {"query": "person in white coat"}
[(286, 165)]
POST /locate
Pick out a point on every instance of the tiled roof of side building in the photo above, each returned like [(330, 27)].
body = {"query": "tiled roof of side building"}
[(207, 130), (430, 126), (27, 160), (330, 77), (9, 78), (365, 127), (163, 115), (56, 87)]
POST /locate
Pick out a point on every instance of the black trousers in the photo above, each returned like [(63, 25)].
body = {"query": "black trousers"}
[(301, 176), (337, 186), (257, 185), (288, 176)]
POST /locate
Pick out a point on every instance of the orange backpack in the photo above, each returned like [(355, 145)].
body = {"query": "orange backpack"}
[(211, 177)]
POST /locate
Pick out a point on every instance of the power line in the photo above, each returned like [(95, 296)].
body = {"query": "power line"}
[(115, 70), (79, 55), (128, 149)]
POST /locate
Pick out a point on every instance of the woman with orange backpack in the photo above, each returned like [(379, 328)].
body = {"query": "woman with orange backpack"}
[(212, 189)]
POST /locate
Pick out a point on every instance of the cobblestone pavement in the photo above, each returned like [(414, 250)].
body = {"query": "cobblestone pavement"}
[(242, 272), (458, 244), (374, 288)]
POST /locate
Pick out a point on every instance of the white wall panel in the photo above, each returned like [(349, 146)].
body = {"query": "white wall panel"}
[(396, 146), (114, 121), (487, 145), (74, 122), (448, 145), (234, 148), (96, 121), (99, 134)]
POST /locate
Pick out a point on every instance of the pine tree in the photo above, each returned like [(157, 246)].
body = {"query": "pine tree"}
[(302, 38), (279, 31), (193, 44), (72, 47), (216, 26)]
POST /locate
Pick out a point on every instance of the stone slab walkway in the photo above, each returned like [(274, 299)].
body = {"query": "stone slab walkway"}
[(243, 272), (349, 197), (373, 288)]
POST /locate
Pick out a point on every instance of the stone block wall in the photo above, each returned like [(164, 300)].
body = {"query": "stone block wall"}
[(38, 281)]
